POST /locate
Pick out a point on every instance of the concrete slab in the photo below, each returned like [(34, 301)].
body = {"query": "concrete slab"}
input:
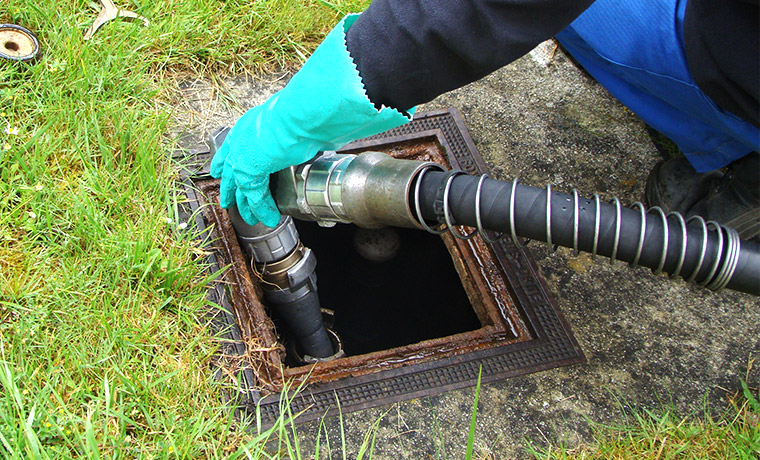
[(649, 341)]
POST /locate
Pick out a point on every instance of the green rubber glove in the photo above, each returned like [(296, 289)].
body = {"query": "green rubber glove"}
[(323, 107)]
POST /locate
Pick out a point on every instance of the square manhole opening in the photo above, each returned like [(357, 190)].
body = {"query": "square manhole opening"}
[(425, 321), (413, 296)]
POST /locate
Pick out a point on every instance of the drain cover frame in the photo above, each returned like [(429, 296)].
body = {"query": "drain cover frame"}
[(551, 343)]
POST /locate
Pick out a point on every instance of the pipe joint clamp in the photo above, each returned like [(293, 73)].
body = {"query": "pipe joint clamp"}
[(370, 190)]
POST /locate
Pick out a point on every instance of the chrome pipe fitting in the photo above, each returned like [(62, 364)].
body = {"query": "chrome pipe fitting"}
[(291, 277), (262, 243), (370, 190)]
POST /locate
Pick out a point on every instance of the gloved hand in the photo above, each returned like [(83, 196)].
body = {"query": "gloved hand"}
[(323, 107)]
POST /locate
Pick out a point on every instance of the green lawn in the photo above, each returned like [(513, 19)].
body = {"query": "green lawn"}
[(663, 434), (103, 351), (103, 348)]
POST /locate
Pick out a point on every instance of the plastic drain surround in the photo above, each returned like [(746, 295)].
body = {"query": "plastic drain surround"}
[(520, 328)]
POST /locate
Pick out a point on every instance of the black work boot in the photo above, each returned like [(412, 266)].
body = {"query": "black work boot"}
[(731, 198)]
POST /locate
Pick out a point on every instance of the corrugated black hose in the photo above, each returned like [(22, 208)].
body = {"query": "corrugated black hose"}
[(663, 242)]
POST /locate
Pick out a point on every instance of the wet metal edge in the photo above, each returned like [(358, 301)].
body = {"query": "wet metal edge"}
[(553, 345)]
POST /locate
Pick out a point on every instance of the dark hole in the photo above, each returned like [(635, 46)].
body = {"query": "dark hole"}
[(12, 46), (415, 296)]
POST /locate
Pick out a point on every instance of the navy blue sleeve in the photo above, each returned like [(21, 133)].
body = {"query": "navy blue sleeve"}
[(410, 51), (722, 43)]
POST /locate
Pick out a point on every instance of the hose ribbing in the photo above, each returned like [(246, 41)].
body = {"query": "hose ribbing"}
[(706, 253)]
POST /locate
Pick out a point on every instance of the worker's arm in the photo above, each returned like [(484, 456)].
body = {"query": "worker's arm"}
[(407, 53), (410, 51)]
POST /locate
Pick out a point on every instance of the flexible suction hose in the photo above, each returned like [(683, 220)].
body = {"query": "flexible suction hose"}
[(702, 252)]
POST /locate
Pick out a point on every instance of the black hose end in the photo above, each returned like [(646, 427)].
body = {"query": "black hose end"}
[(303, 318)]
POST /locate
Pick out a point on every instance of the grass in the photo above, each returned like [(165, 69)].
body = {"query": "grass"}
[(103, 349), (104, 352), (661, 434)]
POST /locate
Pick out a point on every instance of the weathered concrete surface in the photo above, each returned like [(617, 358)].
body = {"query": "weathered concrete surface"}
[(648, 341)]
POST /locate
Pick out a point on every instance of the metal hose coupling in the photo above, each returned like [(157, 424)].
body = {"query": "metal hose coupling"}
[(287, 270), (370, 190)]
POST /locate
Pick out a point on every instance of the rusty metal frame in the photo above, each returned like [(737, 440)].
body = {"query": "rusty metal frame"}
[(522, 329)]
